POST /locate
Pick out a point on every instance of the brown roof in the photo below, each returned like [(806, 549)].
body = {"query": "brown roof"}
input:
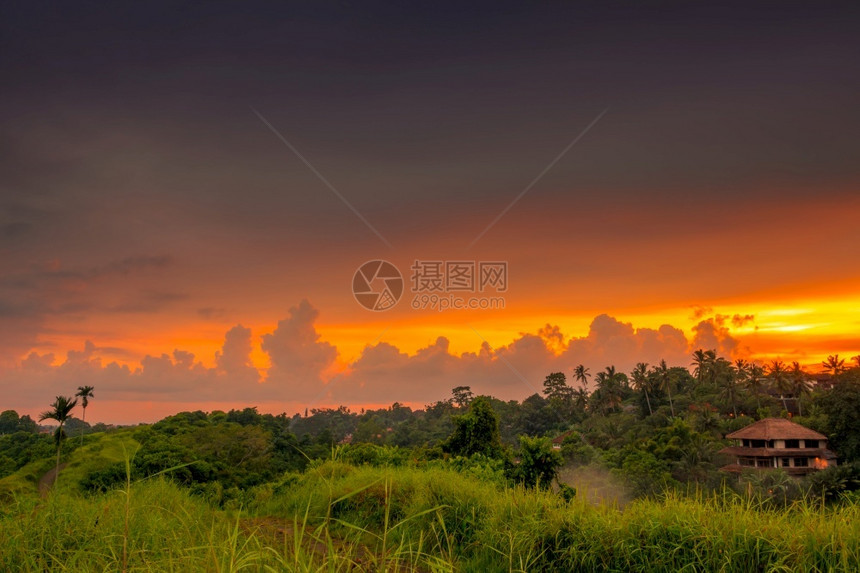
[(775, 429)]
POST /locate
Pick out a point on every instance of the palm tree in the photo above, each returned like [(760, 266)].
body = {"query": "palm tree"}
[(581, 374), (639, 375), (834, 364), (779, 380), (609, 383), (857, 360), (580, 399), (704, 360), (84, 393), (664, 380), (799, 384), (753, 382), (61, 408), (728, 379)]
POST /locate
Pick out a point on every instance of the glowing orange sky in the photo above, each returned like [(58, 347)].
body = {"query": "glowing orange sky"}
[(654, 180), (803, 310)]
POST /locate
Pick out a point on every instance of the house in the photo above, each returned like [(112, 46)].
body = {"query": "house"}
[(778, 443), (822, 380)]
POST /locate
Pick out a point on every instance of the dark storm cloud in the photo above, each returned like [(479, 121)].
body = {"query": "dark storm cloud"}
[(212, 313), (125, 127), (149, 302), (472, 100), (131, 120), (30, 294)]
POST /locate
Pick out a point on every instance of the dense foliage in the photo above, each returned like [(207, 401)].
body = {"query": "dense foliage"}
[(470, 482), (660, 427)]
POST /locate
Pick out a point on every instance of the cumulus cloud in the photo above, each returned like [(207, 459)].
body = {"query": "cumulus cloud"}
[(612, 342), (740, 320), (713, 334), (234, 359), (299, 358), (301, 372), (513, 371)]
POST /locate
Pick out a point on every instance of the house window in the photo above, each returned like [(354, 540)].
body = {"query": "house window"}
[(786, 462), (811, 443), (746, 462), (746, 443), (792, 443), (764, 463), (801, 462)]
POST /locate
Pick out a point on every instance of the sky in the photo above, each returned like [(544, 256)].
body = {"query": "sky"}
[(188, 192)]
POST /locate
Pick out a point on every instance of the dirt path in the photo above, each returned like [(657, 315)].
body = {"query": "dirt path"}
[(47, 480)]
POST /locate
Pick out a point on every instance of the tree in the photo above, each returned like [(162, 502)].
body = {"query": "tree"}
[(84, 393), (639, 376), (703, 362), (539, 462), (580, 399), (754, 382), (664, 380), (800, 386), (555, 387), (560, 396), (834, 364), (60, 411), (610, 388), (727, 380), (581, 374), (857, 360), (9, 422), (779, 380), (476, 431), (462, 395), (841, 404)]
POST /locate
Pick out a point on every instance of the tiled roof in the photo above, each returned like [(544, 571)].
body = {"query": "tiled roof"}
[(775, 429)]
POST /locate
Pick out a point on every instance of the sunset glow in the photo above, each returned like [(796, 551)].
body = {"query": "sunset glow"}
[(184, 213)]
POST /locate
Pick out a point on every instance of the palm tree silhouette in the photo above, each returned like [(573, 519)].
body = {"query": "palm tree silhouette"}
[(834, 364), (664, 378), (609, 385), (800, 386), (639, 375), (581, 374), (753, 382), (780, 380), (728, 377), (704, 360), (84, 393), (61, 408)]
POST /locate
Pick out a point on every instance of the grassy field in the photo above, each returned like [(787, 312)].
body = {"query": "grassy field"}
[(99, 451), (336, 517)]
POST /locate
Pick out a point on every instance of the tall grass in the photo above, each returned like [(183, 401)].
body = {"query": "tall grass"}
[(152, 526), (481, 527), (337, 517)]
